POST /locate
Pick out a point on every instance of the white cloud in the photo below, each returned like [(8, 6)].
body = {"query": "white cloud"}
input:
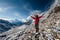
[(2, 9), (6, 18), (17, 14), (27, 7), (35, 12), (23, 20), (5, 9)]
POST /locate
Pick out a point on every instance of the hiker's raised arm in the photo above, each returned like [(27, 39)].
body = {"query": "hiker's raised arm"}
[(32, 17), (40, 16)]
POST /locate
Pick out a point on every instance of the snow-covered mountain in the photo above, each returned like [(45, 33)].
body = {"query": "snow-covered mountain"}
[(16, 22), (6, 25)]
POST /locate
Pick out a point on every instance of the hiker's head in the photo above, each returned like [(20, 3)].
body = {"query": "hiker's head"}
[(36, 15)]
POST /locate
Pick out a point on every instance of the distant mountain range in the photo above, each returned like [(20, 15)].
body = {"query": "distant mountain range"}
[(6, 25)]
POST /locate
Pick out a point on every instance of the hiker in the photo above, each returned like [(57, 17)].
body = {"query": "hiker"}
[(36, 19)]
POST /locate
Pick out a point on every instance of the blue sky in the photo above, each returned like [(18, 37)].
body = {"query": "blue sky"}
[(20, 9)]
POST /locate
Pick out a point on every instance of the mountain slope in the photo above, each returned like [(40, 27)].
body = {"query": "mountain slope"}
[(14, 32), (53, 18)]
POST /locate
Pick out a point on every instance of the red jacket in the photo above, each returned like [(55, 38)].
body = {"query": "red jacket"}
[(36, 19)]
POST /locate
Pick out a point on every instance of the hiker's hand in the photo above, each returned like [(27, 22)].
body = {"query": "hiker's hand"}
[(42, 14)]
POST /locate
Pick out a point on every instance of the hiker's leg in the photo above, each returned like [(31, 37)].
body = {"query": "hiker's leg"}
[(37, 31), (37, 27)]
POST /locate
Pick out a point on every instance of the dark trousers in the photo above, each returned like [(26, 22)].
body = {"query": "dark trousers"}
[(37, 27), (37, 30)]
